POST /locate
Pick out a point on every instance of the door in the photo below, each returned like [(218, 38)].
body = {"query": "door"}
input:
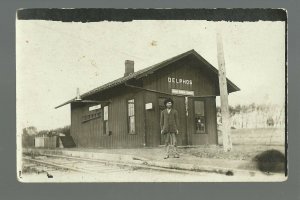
[(198, 121), (179, 105)]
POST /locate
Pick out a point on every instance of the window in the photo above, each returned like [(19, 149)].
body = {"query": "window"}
[(105, 120), (199, 116), (131, 117)]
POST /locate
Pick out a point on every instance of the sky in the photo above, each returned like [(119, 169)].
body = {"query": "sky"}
[(55, 58)]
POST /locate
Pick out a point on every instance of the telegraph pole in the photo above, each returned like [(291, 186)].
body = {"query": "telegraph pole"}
[(227, 144)]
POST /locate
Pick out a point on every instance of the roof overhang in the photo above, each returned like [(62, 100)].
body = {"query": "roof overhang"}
[(150, 70), (81, 101)]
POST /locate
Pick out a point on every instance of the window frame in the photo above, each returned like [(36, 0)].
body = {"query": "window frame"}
[(105, 121), (204, 116), (128, 117)]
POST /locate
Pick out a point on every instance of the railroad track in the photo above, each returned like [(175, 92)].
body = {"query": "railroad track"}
[(93, 166)]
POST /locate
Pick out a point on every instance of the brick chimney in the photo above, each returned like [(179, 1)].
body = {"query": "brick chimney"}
[(77, 95), (129, 67)]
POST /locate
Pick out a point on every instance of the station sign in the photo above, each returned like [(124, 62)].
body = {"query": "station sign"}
[(180, 81), (183, 92), (95, 107)]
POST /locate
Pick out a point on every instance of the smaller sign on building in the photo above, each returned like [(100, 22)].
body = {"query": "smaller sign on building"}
[(95, 107), (148, 106), (183, 92)]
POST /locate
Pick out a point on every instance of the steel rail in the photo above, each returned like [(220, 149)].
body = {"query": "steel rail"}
[(133, 165)]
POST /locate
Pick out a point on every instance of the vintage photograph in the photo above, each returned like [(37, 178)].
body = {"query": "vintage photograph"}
[(151, 101)]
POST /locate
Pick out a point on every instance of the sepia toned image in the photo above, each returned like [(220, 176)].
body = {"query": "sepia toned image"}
[(151, 100)]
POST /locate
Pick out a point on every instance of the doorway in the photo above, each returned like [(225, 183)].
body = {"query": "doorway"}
[(180, 106), (197, 126)]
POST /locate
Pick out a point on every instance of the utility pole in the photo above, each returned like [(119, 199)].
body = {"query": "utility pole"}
[(227, 144)]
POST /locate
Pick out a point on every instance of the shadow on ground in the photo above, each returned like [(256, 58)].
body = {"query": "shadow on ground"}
[(270, 161)]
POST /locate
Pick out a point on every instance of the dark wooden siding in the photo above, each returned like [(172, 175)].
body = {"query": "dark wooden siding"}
[(152, 120), (179, 105), (118, 121), (211, 124), (91, 133), (202, 85), (85, 134), (188, 68)]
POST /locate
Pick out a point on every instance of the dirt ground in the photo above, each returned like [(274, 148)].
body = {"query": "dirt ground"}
[(238, 152), (147, 176), (39, 173), (247, 143), (256, 136)]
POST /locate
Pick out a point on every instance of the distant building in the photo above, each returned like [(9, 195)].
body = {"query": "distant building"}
[(270, 122), (28, 135), (126, 112)]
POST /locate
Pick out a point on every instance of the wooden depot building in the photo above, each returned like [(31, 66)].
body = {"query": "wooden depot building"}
[(125, 113)]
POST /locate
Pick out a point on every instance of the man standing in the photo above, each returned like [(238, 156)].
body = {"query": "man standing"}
[(169, 127)]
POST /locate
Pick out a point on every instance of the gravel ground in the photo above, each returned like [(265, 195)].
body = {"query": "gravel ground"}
[(39, 173), (238, 152), (247, 143)]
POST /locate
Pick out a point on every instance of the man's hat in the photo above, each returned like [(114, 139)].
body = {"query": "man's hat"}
[(168, 100)]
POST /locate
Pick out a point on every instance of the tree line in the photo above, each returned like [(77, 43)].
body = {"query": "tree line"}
[(255, 115), (31, 130)]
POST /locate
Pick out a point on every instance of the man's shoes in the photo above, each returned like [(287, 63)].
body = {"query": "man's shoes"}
[(166, 157), (176, 156)]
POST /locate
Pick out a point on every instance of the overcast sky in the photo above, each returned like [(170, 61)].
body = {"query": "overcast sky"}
[(54, 58)]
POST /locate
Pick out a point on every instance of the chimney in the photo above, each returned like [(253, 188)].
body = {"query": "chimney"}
[(77, 95), (129, 67)]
